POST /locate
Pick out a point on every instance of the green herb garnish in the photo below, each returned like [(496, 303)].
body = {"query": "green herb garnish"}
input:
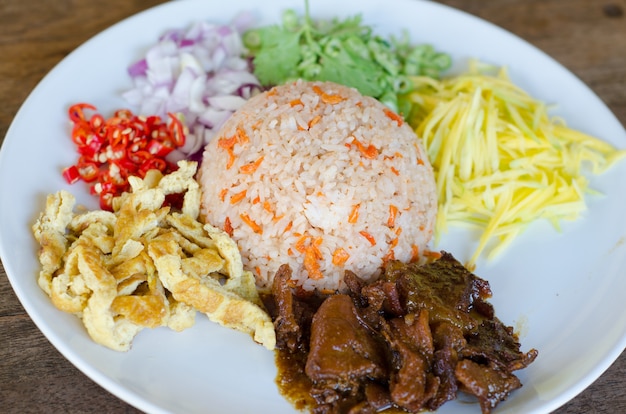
[(341, 51)]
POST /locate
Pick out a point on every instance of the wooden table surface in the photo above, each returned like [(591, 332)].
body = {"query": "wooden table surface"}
[(587, 36)]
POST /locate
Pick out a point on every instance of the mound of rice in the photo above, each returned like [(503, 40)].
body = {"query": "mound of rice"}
[(315, 175)]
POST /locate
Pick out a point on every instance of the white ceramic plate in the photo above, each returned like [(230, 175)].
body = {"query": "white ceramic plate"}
[(564, 292)]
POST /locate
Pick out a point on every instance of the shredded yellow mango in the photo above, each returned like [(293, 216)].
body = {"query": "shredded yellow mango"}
[(500, 161)]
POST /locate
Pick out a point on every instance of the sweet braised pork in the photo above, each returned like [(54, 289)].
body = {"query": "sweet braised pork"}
[(410, 341)]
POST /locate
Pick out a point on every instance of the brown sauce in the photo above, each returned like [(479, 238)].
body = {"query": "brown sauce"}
[(292, 381)]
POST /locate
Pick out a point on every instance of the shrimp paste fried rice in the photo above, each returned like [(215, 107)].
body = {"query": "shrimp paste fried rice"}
[(320, 177)]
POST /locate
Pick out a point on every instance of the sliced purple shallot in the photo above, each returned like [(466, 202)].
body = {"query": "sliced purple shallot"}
[(200, 73)]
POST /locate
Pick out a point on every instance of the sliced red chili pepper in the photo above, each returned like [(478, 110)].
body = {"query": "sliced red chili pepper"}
[(106, 201), (139, 157), (153, 121), (71, 174), (152, 164), (96, 121), (106, 187), (80, 133), (126, 166), (177, 129), (123, 114), (92, 145), (114, 134), (158, 148), (88, 171), (141, 127), (138, 144), (76, 111)]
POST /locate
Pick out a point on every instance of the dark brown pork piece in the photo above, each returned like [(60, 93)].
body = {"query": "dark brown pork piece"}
[(342, 349), (344, 354), (288, 322), (292, 311), (449, 342), (495, 343), (412, 383), (445, 287), (489, 384)]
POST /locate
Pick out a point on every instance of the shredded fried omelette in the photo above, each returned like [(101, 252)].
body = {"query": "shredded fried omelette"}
[(145, 265)]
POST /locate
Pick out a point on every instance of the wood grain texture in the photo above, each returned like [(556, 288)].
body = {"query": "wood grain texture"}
[(586, 36)]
